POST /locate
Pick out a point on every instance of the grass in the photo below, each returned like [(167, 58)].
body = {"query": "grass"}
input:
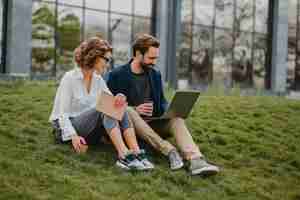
[(255, 140)]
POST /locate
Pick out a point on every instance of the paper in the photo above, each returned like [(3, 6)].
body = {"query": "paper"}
[(105, 103)]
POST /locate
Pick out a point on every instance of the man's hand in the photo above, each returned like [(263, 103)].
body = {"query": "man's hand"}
[(145, 109), (79, 144), (120, 100)]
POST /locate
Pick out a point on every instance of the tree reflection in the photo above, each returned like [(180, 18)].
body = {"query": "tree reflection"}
[(201, 66), (43, 20)]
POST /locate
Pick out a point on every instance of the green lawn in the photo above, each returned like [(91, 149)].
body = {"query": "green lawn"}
[(255, 140)]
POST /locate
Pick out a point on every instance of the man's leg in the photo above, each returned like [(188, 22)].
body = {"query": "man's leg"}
[(148, 134), (183, 138), (197, 163)]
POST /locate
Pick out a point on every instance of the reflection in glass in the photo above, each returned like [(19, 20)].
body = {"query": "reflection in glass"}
[(186, 10), (121, 38), (69, 36), (242, 66), (72, 2), (124, 6), (43, 20), (297, 67), (224, 13), (1, 24), (292, 43), (201, 68), (223, 57), (141, 25), (204, 12), (143, 7), (260, 51), (95, 24), (183, 54), (244, 15), (96, 4), (261, 20)]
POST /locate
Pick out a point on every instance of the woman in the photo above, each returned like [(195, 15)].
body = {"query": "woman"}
[(74, 112)]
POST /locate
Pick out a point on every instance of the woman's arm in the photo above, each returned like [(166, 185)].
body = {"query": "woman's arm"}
[(63, 100)]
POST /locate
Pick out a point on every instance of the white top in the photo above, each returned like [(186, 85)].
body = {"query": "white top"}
[(72, 99)]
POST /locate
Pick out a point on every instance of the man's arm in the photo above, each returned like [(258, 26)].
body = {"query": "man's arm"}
[(112, 83)]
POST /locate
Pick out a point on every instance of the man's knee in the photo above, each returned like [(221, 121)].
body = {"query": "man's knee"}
[(132, 112), (177, 121)]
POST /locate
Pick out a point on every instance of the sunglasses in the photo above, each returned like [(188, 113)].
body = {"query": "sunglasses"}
[(107, 60)]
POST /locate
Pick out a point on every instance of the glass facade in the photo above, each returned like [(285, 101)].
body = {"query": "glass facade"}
[(60, 25), (293, 71), (223, 41), (2, 40), (1, 24)]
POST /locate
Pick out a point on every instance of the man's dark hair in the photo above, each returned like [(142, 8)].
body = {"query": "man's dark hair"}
[(143, 42)]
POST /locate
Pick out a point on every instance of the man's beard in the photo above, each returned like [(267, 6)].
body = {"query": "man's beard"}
[(146, 67)]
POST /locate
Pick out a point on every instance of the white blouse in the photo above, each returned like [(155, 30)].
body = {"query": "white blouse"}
[(72, 99)]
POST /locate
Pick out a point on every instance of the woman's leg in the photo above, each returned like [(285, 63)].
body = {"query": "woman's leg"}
[(127, 160), (117, 140), (131, 141), (112, 128), (129, 134)]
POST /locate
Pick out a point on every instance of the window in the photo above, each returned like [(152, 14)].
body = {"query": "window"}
[(72, 2), (63, 24), (68, 38), (96, 4), (121, 38), (1, 35), (293, 71), (96, 24), (43, 45), (3, 5), (124, 6), (204, 12), (229, 36)]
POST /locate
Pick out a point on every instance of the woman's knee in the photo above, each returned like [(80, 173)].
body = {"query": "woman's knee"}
[(109, 123), (126, 122)]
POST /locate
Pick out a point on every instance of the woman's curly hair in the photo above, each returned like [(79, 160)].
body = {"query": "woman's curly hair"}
[(86, 53)]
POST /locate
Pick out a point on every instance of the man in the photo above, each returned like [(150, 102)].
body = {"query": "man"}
[(142, 84)]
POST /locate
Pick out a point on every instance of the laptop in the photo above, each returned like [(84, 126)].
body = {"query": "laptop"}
[(181, 105), (105, 103)]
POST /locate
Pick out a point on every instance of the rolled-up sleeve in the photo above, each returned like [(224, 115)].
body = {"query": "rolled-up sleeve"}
[(63, 101)]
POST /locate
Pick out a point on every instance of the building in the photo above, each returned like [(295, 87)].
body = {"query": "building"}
[(250, 43)]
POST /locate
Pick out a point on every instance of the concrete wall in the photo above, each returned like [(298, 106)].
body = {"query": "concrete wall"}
[(18, 58), (168, 32)]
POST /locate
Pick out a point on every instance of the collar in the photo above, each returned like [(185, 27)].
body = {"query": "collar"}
[(79, 75)]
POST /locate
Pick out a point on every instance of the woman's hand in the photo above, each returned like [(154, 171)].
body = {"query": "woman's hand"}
[(120, 100), (79, 144)]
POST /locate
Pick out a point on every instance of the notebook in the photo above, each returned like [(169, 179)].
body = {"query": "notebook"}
[(181, 105), (105, 103)]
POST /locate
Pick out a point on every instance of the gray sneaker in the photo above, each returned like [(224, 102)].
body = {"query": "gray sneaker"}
[(175, 160), (199, 166)]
